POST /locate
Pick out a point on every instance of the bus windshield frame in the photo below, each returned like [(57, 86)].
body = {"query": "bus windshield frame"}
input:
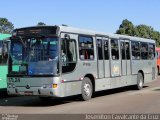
[(34, 56)]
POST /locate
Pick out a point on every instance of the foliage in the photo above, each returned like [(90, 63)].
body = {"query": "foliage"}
[(6, 26), (144, 31), (41, 24)]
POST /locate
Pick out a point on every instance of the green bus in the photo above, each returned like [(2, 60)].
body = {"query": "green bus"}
[(3, 61)]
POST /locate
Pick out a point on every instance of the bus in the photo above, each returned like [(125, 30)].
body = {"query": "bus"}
[(3, 61), (158, 60), (61, 61)]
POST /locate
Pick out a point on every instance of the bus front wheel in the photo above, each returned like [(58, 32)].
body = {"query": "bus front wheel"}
[(140, 82), (86, 89)]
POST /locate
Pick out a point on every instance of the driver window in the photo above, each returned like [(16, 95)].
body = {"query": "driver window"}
[(68, 55)]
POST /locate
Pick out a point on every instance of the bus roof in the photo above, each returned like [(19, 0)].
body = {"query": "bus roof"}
[(93, 33), (111, 35), (4, 36)]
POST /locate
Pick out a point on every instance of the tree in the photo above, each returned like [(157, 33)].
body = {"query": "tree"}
[(144, 31), (126, 28), (41, 24), (6, 26), (156, 36)]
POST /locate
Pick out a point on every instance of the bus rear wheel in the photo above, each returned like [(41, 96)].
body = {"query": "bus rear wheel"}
[(86, 89), (140, 81)]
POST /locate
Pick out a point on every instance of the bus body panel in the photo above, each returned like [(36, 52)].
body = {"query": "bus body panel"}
[(158, 60)]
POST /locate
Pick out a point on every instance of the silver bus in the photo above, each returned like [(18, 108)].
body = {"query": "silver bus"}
[(60, 61)]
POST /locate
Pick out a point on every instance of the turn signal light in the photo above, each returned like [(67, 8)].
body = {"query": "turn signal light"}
[(54, 85)]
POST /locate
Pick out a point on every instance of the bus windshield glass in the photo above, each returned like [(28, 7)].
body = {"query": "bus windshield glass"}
[(34, 56)]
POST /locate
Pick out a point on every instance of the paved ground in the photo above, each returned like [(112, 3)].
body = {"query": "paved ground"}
[(123, 100)]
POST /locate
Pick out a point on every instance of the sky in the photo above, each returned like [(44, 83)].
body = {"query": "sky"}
[(98, 15)]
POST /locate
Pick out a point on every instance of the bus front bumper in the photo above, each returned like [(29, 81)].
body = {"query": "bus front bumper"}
[(34, 91)]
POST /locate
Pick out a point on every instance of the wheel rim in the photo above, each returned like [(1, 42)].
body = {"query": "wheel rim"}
[(87, 89), (141, 82)]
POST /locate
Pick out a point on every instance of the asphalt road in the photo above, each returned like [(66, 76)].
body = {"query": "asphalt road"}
[(122, 100)]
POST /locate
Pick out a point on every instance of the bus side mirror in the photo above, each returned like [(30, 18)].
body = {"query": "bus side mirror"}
[(67, 37)]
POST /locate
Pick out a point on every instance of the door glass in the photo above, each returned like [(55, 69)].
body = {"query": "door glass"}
[(114, 49), (123, 50), (127, 50), (99, 47), (106, 50)]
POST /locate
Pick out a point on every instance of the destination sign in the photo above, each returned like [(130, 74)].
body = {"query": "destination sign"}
[(36, 31)]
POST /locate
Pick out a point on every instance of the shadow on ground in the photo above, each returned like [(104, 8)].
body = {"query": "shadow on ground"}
[(33, 101)]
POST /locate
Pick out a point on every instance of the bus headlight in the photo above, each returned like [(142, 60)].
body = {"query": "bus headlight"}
[(54, 85), (49, 86), (11, 85)]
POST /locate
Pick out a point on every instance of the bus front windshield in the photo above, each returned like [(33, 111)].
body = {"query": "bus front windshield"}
[(34, 56)]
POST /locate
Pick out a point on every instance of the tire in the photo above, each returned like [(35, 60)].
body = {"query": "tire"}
[(86, 89), (140, 81)]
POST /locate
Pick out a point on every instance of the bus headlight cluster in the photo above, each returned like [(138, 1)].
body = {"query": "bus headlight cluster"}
[(11, 85), (49, 86)]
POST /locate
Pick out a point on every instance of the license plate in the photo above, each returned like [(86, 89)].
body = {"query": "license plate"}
[(28, 92)]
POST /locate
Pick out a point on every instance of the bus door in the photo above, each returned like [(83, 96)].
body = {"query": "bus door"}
[(106, 57), (115, 58), (100, 56), (103, 57), (125, 57)]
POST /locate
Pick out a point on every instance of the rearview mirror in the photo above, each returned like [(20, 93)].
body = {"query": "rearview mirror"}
[(67, 37)]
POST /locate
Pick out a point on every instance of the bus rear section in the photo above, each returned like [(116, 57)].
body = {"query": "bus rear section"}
[(158, 60)]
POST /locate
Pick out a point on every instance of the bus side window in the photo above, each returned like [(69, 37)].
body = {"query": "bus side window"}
[(135, 50), (114, 49), (151, 51), (144, 50), (86, 49)]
